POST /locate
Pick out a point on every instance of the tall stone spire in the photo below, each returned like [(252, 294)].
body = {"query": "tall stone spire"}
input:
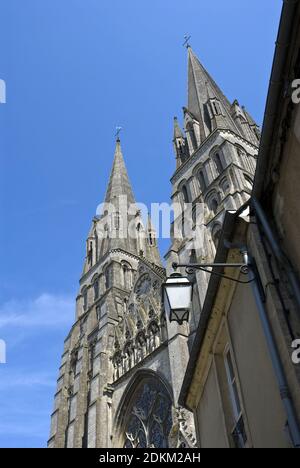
[(120, 224), (119, 324), (206, 101), (119, 183)]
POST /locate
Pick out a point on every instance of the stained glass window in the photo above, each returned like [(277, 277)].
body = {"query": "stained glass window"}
[(149, 420)]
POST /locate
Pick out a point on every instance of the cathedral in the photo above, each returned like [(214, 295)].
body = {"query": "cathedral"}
[(123, 362)]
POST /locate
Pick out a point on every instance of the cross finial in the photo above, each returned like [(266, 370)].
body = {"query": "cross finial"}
[(186, 41), (118, 131)]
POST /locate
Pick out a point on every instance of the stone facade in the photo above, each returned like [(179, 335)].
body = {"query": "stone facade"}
[(124, 362)]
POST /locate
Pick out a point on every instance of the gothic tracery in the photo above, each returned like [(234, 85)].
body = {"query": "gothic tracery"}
[(142, 329), (149, 419)]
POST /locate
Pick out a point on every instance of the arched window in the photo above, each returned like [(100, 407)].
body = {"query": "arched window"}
[(107, 275), (183, 227), (214, 205), (98, 312), (85, 298), (218, 163), (191, 132), (90, 252), (151, 242), (233, 178), (185, 194), (116, 218), (96, 288), (215, 107), (181, 151), (148, 419), (127, 275), (244, 158), (106, 231), (225, 185), (202, 181), (249, 182)]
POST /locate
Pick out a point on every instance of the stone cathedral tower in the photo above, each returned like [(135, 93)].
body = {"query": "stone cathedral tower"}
[(117, 382), (215, 165), (123, 361)]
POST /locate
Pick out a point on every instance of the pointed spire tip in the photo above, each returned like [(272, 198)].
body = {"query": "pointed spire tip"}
[(119, 183)]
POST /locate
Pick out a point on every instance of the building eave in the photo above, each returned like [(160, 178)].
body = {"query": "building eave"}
[(275, 93)]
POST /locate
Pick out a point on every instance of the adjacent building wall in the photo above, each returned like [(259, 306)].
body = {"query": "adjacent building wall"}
[(262, 409)]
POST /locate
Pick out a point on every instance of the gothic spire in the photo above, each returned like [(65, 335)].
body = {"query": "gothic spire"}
[(120, 224), (119, 183), (177, 130), (202, 89)]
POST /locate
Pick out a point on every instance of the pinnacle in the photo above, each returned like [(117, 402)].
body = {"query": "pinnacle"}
[(119, 183)]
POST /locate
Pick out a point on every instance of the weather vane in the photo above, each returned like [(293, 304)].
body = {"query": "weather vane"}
[(186, 42), (118, 131)]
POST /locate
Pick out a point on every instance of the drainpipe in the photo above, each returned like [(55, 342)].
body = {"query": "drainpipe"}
[(276, 249), (285, 395)]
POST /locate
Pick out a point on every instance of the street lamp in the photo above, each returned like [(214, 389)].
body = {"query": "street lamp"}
[(177, 297), (178, 290)]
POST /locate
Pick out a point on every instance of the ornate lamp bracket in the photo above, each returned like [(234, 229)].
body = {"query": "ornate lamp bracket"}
[(245, 269)]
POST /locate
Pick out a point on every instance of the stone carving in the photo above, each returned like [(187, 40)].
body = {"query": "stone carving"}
[(143, 286), (142, 330), (182, 434)]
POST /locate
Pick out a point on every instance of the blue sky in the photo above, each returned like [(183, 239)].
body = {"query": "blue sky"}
[(75, 69)]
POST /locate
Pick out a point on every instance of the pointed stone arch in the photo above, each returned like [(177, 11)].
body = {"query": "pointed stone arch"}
[(85, 299), (216, 155), (144, 417), (201, 176), (185, 191), (127, 274), (213, 201)]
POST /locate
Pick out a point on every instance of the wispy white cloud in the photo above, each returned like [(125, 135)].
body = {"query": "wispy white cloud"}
[(46, 310), (26, 380), (33, 329)]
